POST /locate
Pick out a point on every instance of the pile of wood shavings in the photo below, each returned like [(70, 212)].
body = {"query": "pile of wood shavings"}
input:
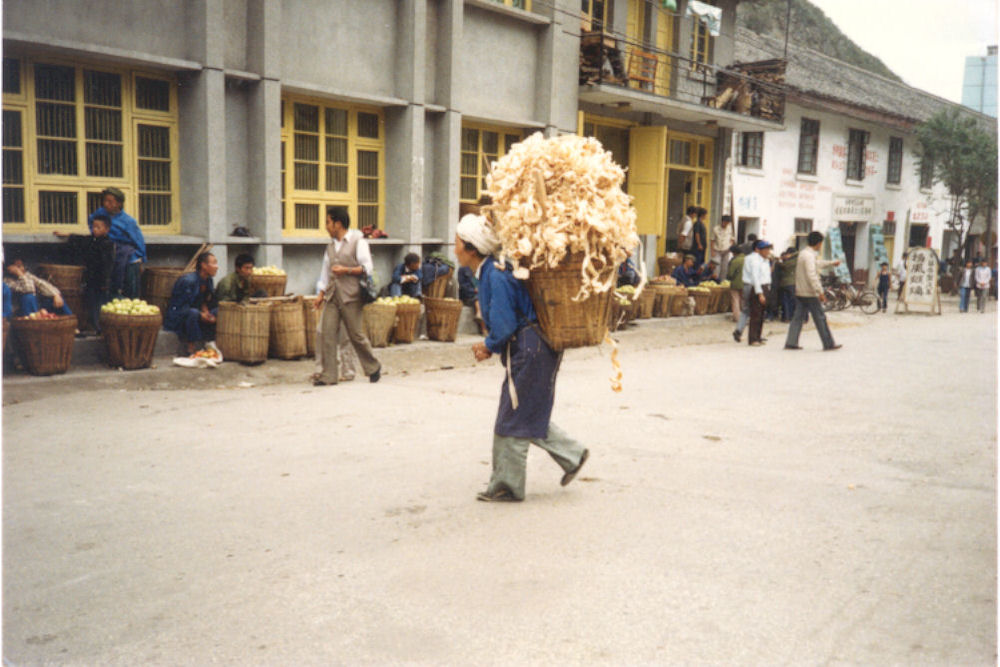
[(582, 208)]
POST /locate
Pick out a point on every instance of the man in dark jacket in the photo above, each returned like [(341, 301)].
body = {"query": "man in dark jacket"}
[(192, 308)]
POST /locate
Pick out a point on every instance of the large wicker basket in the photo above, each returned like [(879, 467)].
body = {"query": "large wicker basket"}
[(68, 279), (407, 322), (45, 346), (158, 284), (129, 340), (661, 307), (379, 320), (646, 303), (439, 287), (667, 263), (678, 299), (311, 317), (701, 301), (567, 323), (243, 331), (274, 285), (287, 333), (721, 301), (442, 318)]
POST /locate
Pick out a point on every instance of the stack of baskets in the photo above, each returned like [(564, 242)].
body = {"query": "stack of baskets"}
[(646, 303), (45, 346), (701, 300), (68, 280), (725, 301), (379, 320), (407, 322), (567, 323), (661, 307), (158, 284), (439, 287), (273, 284), (311, 317), (129, 340), (287, 333), (243, 331), (442, 318), (678, 299)]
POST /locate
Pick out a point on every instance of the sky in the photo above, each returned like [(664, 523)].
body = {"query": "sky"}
[(925, 42)]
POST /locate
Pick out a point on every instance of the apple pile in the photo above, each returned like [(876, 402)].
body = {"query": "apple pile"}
[(129, 307), (270, 270), (40, 315), (396, 300)]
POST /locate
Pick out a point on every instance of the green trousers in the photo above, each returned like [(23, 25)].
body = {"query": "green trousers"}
[(510, 457)]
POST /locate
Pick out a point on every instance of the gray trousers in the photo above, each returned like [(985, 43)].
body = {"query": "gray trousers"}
[(981, 299), (812, 306), (348, 360), (741, 323), (510, 458), (328, 339)]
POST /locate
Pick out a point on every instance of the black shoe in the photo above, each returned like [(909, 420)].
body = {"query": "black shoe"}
[(835, 347), (501, 496), (737, 335), (568, 477), (792, 347), (374, 377)]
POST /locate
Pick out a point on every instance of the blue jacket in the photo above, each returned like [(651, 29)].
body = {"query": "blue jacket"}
[(685, 277), (409, 289), (468, 286), (124, 229), (187, 294), (505, 303)]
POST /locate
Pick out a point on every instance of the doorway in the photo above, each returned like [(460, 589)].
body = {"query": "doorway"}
[(679, 186), (918, 236), (848, 241), (745, 227)]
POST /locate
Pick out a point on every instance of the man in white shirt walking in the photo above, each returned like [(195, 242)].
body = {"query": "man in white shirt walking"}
[(757, 277), (982, 277), (809, 295)]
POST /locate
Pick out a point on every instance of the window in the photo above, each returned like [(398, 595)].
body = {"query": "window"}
[(481, 146), (802, 228), (856, 146), (701, 43), (332, 154), (594, 14), (808, 146), (926, 173), (691, 155), (71, 130), (752, 150), (895, 169)]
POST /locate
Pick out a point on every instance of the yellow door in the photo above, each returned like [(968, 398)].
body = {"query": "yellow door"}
[(647, 151)]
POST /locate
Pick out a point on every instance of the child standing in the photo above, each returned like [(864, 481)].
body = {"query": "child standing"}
[(884, 278), (97, 252)]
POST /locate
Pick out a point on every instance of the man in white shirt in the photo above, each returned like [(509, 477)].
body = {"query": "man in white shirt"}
[(757, 276), (983, 277), (900, 270), (965, 282), (684, 237), (809, 294), (722, 238)]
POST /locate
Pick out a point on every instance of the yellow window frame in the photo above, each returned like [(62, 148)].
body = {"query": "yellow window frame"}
[(504, 134), (517, 4), (25, 101), (321, 198), (700, 42), (587, 15)]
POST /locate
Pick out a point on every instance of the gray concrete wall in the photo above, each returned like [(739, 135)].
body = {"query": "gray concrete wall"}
[(237, 155), (235, 13)]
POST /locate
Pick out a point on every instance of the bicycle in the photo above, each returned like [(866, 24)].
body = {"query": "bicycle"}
[(841, 296)]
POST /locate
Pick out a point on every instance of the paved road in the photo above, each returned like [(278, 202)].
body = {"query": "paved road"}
[(740, 506)]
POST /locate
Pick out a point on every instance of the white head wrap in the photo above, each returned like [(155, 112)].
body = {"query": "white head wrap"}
[(474, 229)]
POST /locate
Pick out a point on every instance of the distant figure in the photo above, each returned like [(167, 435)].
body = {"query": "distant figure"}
[(722, 240), (627, 275), (699, 238), (786, 284), (983, 278), (901, 275), (884, 281), (757, 276), (735, 277), (685, 274), (130, 247), (687, 222)]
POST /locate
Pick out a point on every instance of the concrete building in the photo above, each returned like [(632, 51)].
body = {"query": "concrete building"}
[(979, 83), (846, 161)]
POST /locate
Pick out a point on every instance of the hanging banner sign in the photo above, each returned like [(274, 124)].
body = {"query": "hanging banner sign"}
[(728, 195), (879, 253), (837, 252), (921, 292)]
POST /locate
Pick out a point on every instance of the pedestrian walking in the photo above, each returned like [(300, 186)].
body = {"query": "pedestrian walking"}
[(346, 262), (528, 391), (757, 277), (884, 280), (900, 269), (809, 295), (966, 281), (789, 259), (734, 274), (983, 276)]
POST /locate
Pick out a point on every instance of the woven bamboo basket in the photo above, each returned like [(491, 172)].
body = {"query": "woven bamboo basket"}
[(667, 263), (45, 346), (439, 287), (722, 305), (442, 318), (567, 323), (678, 298), (701, 301), (287, 333), (274, 285), (68, 279), (311, 317), (158, 284), (379, 320), (129, 340), (661, 307), (646, 303), (407, 322), (243, 331)]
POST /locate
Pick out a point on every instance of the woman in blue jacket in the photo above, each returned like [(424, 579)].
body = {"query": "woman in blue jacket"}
[(528, 391)]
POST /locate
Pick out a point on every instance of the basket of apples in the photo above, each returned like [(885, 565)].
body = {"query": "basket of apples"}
[(129, 328), (271, 279), (44, 341)]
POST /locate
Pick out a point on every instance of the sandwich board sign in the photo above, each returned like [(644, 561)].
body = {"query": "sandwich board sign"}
[(921, 295)]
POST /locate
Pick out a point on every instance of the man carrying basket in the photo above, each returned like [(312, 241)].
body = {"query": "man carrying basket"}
[(528, 391)]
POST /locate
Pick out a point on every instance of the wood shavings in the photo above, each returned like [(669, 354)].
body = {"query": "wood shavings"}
[(616, 379), (563, 195)]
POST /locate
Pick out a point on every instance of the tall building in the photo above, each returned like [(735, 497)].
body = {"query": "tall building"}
[(979, 85)]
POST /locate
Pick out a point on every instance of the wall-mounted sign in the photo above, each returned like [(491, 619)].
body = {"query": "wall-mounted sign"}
[(921, 291), (837, 252), (879, 253), (920, 212), (853, 209)]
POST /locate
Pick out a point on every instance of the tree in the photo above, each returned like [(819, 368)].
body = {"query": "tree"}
[(963, 157)]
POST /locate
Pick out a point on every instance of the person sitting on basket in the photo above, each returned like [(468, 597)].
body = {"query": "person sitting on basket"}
[(406, 278), (236, 285), (30, 293), (627, 275), (685, 274), (191, 313), (97, 252)]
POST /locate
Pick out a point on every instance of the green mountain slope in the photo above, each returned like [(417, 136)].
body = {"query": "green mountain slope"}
[(810, 27)]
